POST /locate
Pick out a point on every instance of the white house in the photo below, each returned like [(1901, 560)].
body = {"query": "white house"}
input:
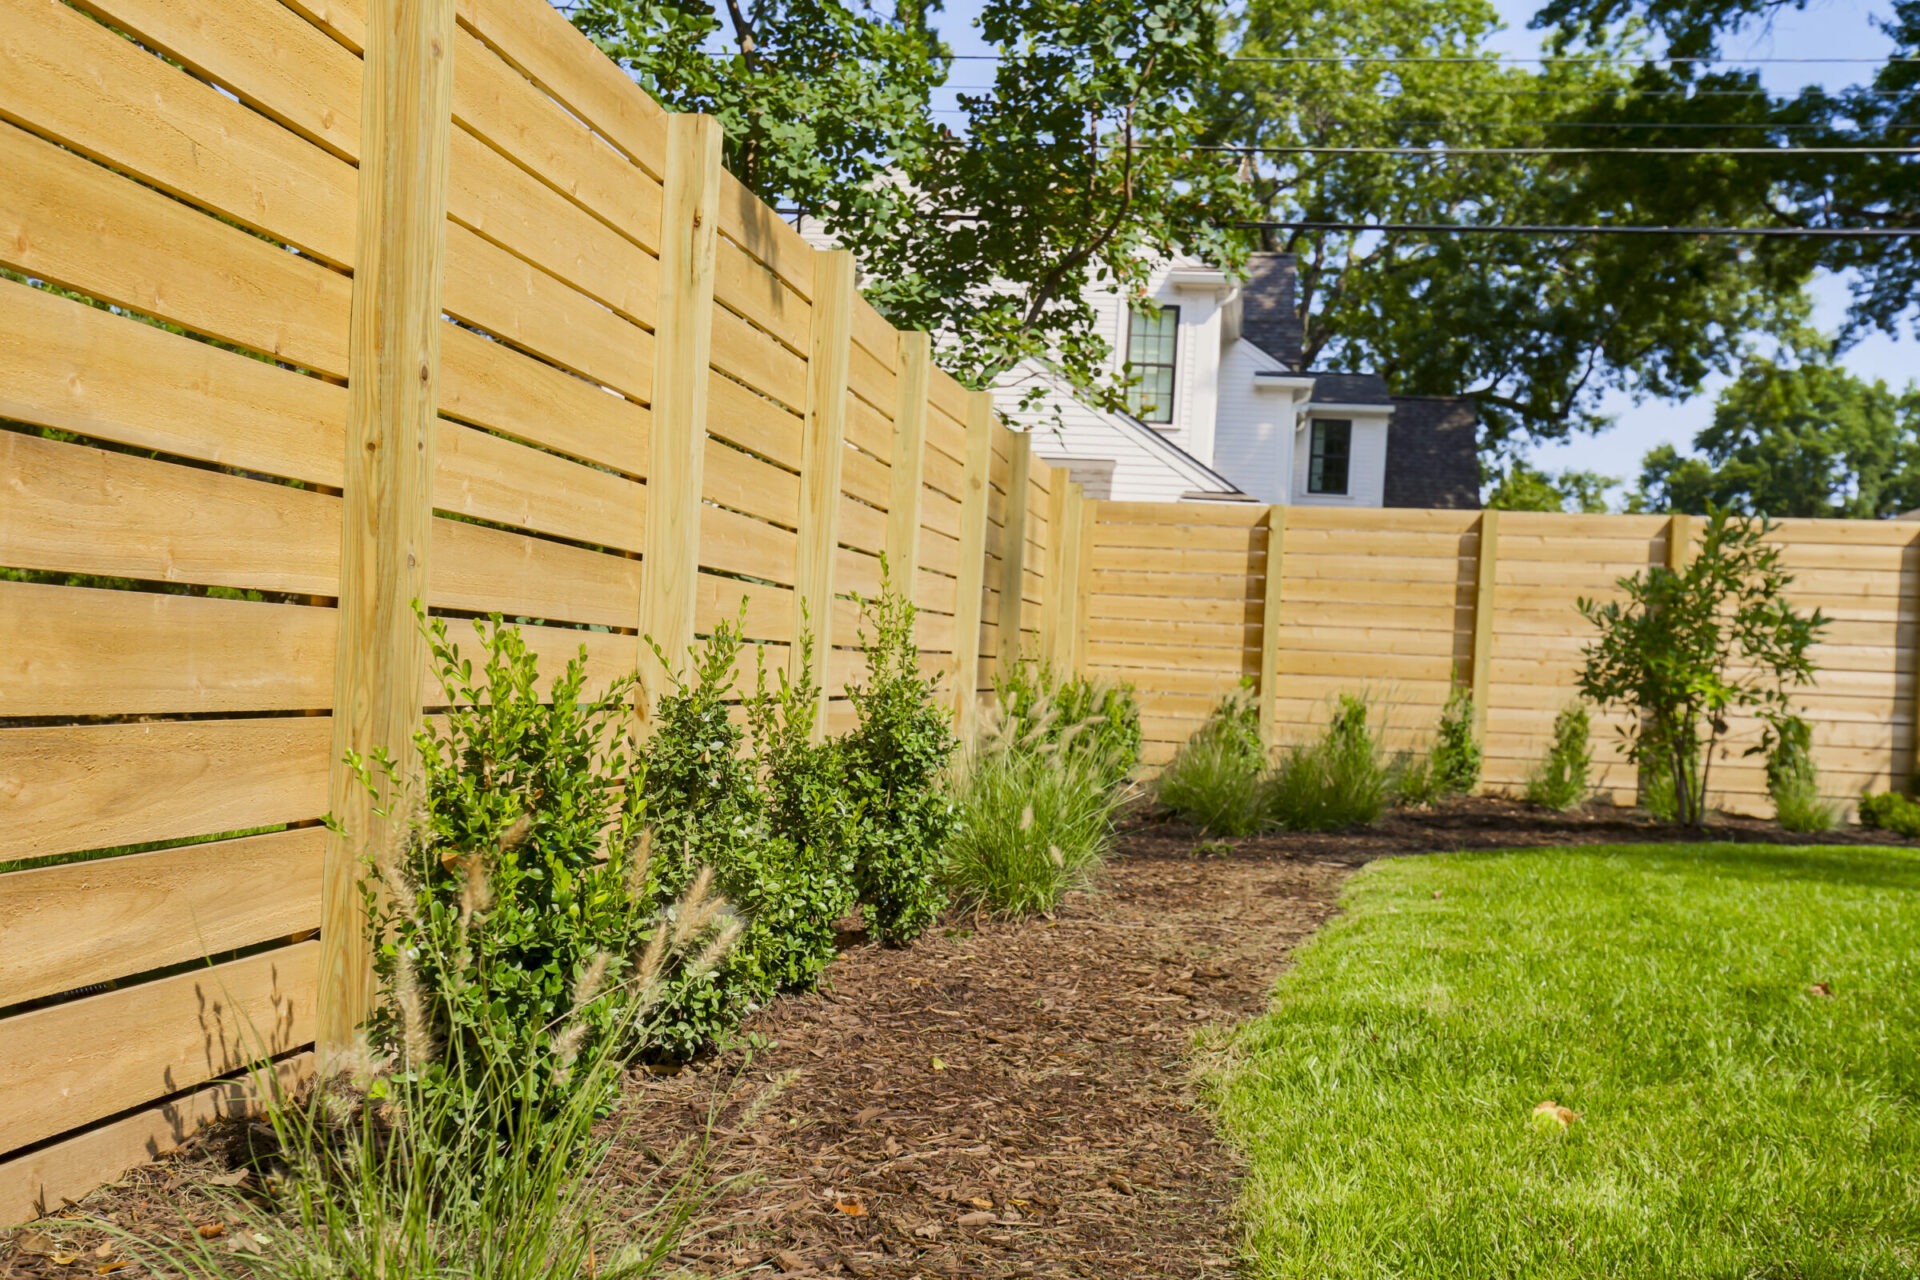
[(1223, 410)]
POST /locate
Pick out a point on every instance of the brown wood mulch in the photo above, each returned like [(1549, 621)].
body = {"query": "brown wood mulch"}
[(1000, 1099)]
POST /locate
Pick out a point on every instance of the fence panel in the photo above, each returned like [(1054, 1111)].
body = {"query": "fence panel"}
[(653, 408)]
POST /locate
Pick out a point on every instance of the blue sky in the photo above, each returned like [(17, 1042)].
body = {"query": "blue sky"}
[(1827, 29)]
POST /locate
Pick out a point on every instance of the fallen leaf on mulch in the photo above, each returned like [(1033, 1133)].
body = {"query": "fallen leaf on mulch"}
[(979, 1218), (210, 1230), (108, 1268), (37, 1243), (1551, 1115), (939, 1065), (852, 1208)]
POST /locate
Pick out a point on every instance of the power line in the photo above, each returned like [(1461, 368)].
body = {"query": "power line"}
[(1443, 153), (1559, 124), (1470, 59), (1541, 229)]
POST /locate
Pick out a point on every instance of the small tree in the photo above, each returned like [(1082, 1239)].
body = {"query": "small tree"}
[(1687, 647)]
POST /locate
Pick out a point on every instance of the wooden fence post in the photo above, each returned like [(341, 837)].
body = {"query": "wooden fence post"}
[(1270, 627), (907, 489), (1083, 582), (393, 363), (1061, 592), (973, 563), (1679, 541), (1013, 552), (1486, 562), (676, 447), (822, 446)]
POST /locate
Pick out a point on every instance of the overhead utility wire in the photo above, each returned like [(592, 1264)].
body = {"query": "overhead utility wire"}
[(1393, 59), (1442, 153), (1556, 124), (1541, 229)]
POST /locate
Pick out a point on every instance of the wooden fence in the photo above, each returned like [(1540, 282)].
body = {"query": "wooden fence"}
[(1308, 603), (312, 308)]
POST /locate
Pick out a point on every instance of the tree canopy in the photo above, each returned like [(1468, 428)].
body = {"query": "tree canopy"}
[(1112, 132), (1073, 166), (1796, 435)]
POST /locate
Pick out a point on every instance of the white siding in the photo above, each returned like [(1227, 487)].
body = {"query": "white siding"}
[(1253, 433), (1366, 466), (1065, 428)]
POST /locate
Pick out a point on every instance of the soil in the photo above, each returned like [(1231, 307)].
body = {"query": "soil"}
[(1000, 1099)]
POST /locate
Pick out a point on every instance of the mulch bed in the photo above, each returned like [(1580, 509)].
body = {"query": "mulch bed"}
[(1001, 1099)]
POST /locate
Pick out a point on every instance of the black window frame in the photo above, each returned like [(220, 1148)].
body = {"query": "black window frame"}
[(1320, 454), (1162, 413)]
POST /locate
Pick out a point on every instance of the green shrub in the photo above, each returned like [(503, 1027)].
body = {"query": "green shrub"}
[(1455, 760), (811, 811), (523, 891), (708, 809), (1792, 779), (1214, 779), (895, 761), (1036, 818), (1560, 780), (1091, 716), (1891, 811), (1686, 647), (1337, 781)]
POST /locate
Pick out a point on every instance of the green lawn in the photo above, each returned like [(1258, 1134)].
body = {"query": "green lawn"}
[(1733, 1123)]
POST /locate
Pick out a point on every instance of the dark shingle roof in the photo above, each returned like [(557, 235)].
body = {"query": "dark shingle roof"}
[(1433, 457), (1349, 388), (1269, 312)]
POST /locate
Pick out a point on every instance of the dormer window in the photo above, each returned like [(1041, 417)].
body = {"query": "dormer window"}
[(1331, 448), (1152, 338)]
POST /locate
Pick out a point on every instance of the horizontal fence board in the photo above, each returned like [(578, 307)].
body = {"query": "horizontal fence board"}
[(67, 365), (38, 1183), (755, 423), (736, 543), (264, 52), (65, 927), (70, 78), (749, 484), (758, 360), (500, 105), (745, 286), (145, 251), (69, 1064), (476, 569), (488, 383), (94, 786), (750, 223), (547, 49), (85, 652), (75, 509), (499, 201), (512, 299)]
